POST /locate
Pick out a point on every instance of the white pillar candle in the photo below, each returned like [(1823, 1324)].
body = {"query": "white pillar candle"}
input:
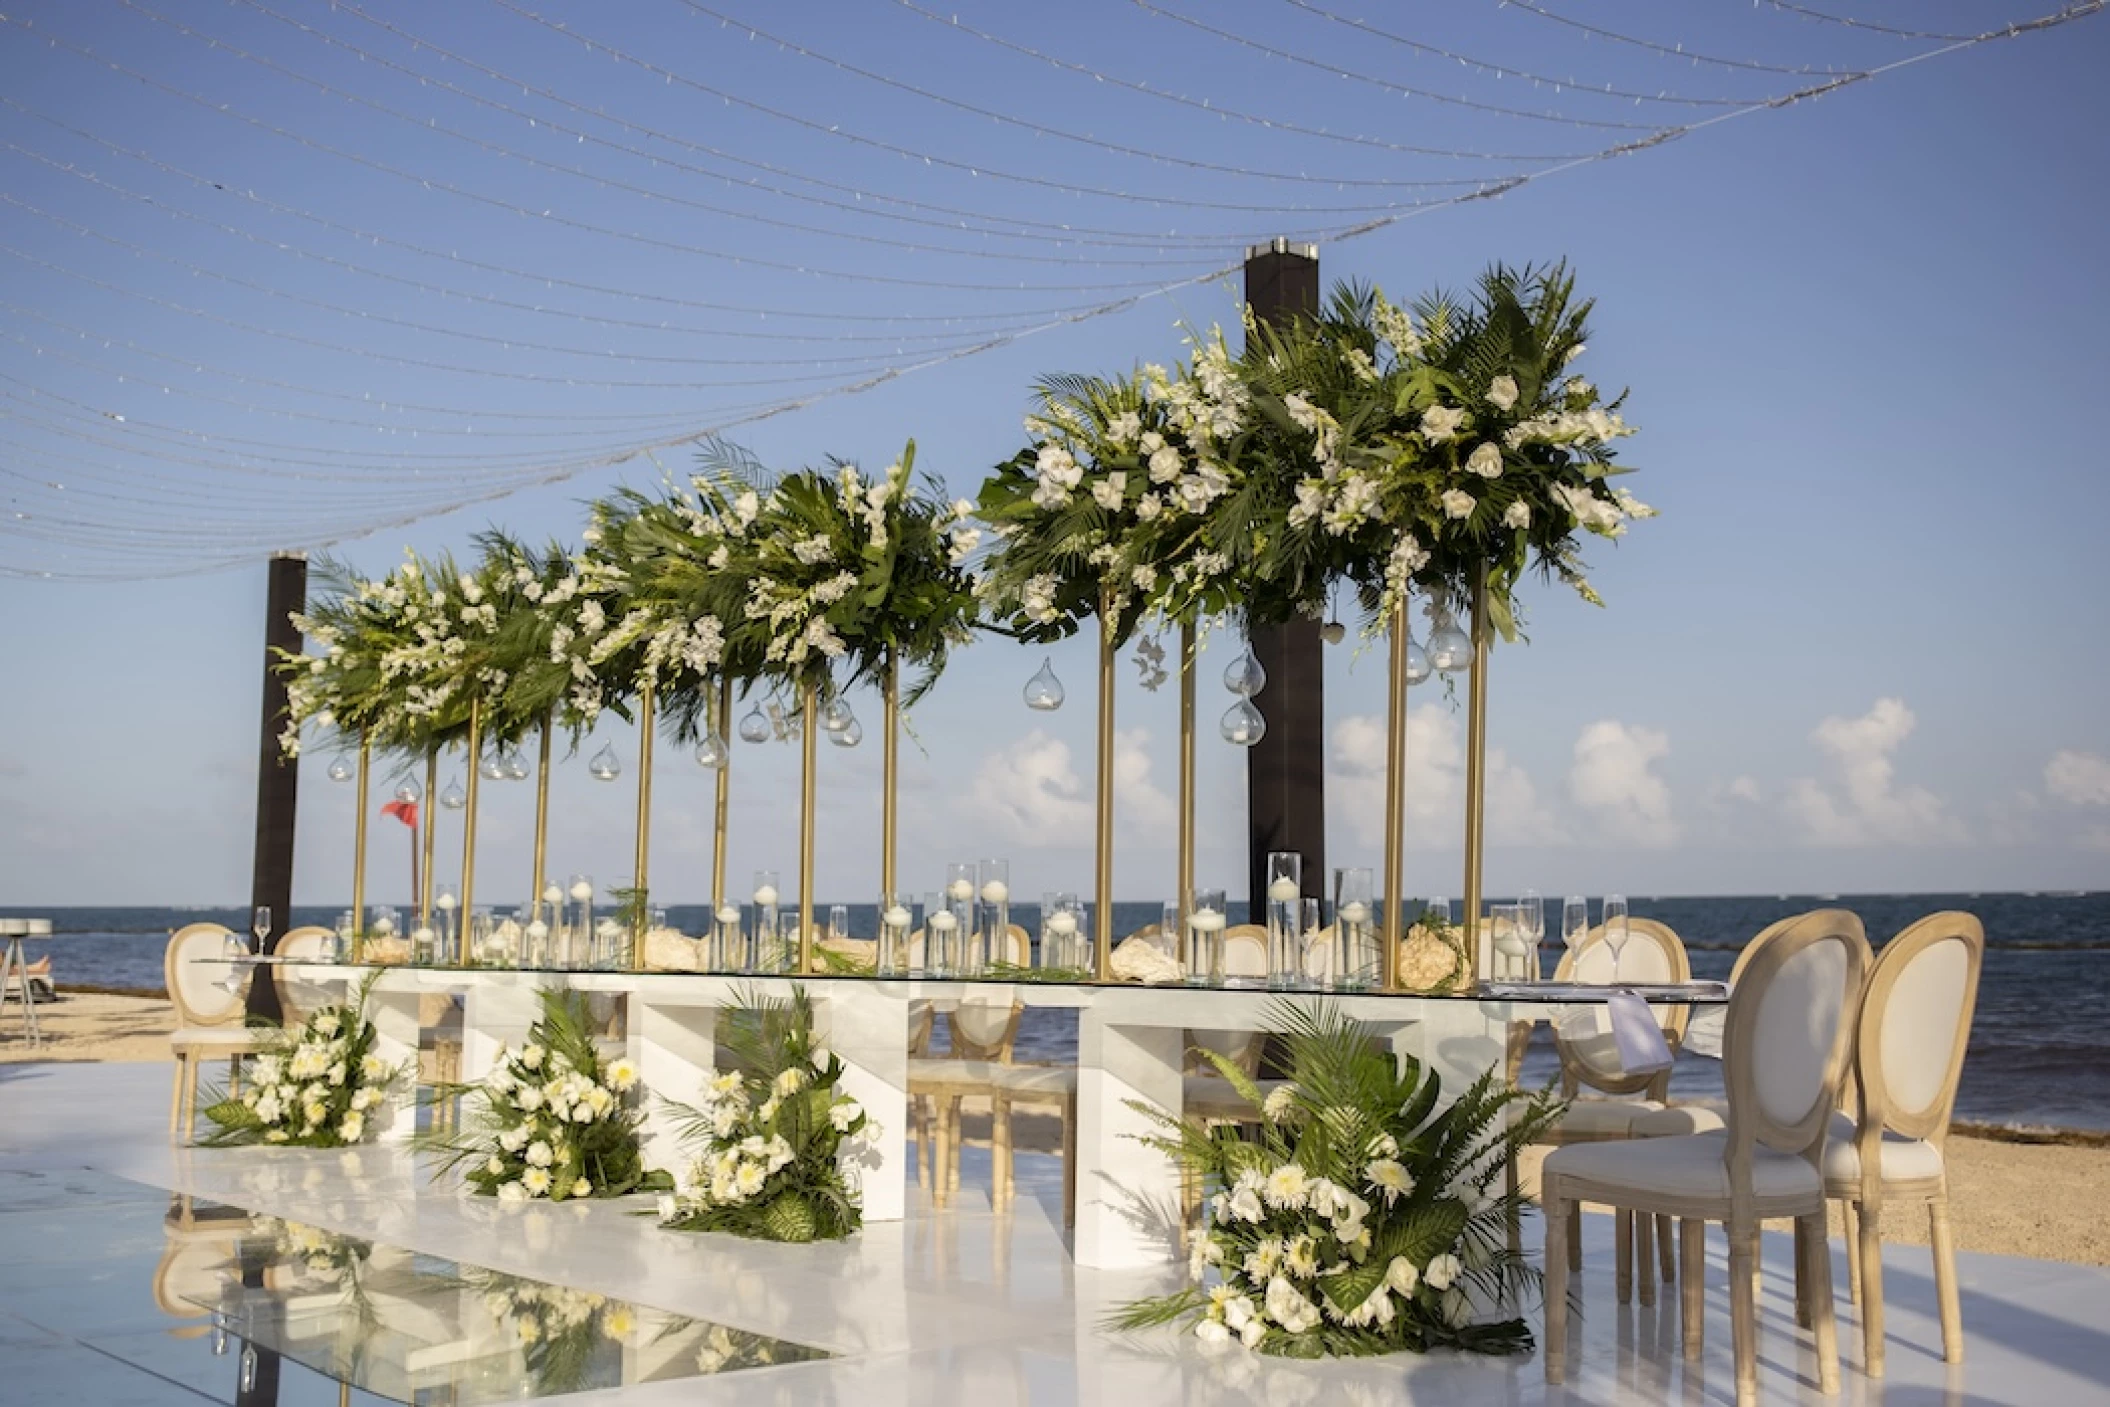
[(995, 892), (766, 896), (1283, 890)]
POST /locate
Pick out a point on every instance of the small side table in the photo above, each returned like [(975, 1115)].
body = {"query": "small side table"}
[(14, 967)]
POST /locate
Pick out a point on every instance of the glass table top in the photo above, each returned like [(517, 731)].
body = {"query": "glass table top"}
[(203, 1300)]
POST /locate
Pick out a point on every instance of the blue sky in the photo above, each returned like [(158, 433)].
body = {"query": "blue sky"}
[(1860, 650)]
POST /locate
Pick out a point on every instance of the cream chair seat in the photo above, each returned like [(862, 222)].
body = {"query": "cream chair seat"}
[(209, 1018), (1789, 1030)]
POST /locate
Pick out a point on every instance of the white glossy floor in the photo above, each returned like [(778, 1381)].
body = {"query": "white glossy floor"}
[(967, 1307)]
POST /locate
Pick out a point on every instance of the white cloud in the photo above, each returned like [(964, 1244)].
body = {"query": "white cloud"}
[(2078, 778), (1033, 792), (1355, 784), (1869, 807), (1743, 788), (1614, 779)]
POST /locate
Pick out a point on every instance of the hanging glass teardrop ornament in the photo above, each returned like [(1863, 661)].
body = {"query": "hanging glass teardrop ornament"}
[(1044, 691), (341, 770), (410, 792), (1417, 661), (837, 716), (492, 768), (454, 798), (754, 728), (710, 752), (1243, 724), (605, 765), (1245, 677), (515, 765), (849, 735), (1448, 647)]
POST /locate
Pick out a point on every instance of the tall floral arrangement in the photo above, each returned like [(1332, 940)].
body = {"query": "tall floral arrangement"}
[(1132, 499), (349, 685), (552, 1120), (1364, 1216), (1417, 446), (310, 1087), (774, 1136)]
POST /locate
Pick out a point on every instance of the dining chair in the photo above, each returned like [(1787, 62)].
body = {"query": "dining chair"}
[(1790, 1029), (1653, 953), (1915, 1024), (210, 1016), (300, 1000)]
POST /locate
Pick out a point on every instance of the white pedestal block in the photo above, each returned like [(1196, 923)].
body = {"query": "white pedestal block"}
[(1128, 1203)]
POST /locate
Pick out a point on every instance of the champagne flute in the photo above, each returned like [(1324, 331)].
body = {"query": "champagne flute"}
[(260, 924), (1531, 918), (1575, 921), (1615, 929)]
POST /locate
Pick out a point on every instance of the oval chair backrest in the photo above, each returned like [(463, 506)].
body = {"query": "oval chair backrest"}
[(297, 999), (1653, 953), (1245, 950), (1319, 954), (1790, 1027), (1916, 1024), (983, 1029), (1021, 945), (194, 985)]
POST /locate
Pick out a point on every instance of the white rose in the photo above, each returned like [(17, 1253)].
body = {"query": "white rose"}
[(1440, 1272), (1457, 503), (1517, 515), (1502, 392), (1485, 460), (1211, 1332), (1402, 1276), (512, 1192), (1440, 422)]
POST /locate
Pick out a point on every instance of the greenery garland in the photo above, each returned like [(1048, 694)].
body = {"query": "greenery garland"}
[(1361, 1218)]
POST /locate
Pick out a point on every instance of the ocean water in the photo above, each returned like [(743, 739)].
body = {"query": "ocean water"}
[(2040, 1048)]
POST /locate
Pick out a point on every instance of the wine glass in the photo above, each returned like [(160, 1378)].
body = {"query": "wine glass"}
[(1531, 921), (1615, 928), (260, 925), (1575, 921)]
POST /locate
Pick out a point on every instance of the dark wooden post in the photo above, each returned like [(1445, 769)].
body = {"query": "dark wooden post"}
[(1286, 770), (277, 776)]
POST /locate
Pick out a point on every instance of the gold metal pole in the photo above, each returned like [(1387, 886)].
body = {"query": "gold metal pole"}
[(725, 788), (476, 742), (428, 813), (1104, 868), (809, 740), (1476, 769), (1185, 878), (889, 777), (541, 876), (1395, 798), (642, 883), (366, 763)]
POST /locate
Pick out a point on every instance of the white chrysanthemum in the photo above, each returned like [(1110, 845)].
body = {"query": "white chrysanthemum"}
[(1280, 1101), (1286, 1187), (1388, 1176), (535, 1181), (582, 1188)]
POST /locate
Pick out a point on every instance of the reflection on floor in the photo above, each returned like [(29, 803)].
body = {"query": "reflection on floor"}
[(106, 1288)]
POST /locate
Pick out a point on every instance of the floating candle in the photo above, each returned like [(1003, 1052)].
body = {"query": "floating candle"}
[(729, 914), (1206, 921), (960, 889), (582, 891), (766, 896), (1354, 911), (943, 922), (1062, 925), (996, 892), (1283, 890), (538, 930), (896, 917), (445, 902)]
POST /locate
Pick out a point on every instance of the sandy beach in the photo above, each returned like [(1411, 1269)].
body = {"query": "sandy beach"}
[(2007, 1197)]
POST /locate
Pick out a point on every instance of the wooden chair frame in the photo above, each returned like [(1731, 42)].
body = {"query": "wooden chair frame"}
[(1880, 1112), (183, 1092), (1750, 1127)]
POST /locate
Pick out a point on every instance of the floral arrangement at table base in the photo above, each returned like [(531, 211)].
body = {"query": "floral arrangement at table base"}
[(551, 1121), (1362, 1218), (311, 1087), (772, 1134)]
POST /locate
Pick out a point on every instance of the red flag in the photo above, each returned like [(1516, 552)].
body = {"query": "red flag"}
[(404, 811)]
